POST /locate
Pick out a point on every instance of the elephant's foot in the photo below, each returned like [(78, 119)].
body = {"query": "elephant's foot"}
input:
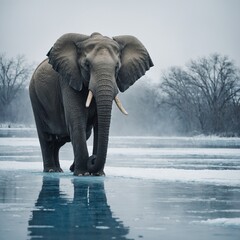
[(78, 172), (53, 169), (85, 172), (102, 173), (81, 173), (92, 160)]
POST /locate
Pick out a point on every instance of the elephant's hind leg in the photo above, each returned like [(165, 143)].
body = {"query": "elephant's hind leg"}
[(57, 145), (50, 152)]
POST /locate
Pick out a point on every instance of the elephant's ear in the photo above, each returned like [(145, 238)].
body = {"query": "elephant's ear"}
[(63, 57), (135, 61)]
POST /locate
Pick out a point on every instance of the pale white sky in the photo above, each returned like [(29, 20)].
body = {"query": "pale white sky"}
[(173, 31)]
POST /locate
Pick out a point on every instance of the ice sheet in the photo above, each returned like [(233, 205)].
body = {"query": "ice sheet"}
[(155, 188)]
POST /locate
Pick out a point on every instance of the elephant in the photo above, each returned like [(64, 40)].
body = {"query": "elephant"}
[(72, 92)]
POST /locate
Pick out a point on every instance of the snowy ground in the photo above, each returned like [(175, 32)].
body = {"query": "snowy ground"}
[(155, 188)]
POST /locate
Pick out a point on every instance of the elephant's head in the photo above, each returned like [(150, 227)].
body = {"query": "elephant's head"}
[(103, 65)]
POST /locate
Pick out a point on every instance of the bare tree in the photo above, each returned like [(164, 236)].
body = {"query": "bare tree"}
[(14, 74), (181, 95), (218, 81), (204, 91)]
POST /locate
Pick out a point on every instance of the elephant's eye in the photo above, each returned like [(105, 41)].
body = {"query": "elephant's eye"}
[(118, 67), (87, 64)]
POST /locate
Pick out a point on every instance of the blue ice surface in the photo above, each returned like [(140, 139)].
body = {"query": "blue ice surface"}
[(155, 188)]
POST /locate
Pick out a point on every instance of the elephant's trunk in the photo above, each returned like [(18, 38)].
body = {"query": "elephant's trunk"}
[(117, 101), (104, 94)]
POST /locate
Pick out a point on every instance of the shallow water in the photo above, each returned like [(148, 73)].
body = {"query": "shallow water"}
[(155, 188)]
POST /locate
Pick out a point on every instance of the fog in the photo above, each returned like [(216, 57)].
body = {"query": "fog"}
[(143, 117), (172, 31)]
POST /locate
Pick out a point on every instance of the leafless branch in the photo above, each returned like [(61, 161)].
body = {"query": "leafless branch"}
[(14, 74)]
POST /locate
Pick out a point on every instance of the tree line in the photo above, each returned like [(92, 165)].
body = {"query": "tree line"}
[(205, 95), (202, 97)]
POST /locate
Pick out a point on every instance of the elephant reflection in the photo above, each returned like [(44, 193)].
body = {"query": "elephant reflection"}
[(87, 216)]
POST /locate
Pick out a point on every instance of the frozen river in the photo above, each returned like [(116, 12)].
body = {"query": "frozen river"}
[(155, 188)]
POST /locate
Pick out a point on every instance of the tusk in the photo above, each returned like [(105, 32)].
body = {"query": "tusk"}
[(120, 106), (89, 98)]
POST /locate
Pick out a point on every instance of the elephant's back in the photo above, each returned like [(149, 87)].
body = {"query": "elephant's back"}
[(45, 94), (44, 73), (45, 81)]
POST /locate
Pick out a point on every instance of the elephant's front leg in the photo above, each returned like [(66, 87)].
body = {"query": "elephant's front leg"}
[(76, 115)]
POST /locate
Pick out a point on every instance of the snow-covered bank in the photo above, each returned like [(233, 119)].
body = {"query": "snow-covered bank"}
[(18, 132), (219, 177), (223, 222)]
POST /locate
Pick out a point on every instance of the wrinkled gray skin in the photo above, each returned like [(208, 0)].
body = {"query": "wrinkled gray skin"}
[(59, 88)]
